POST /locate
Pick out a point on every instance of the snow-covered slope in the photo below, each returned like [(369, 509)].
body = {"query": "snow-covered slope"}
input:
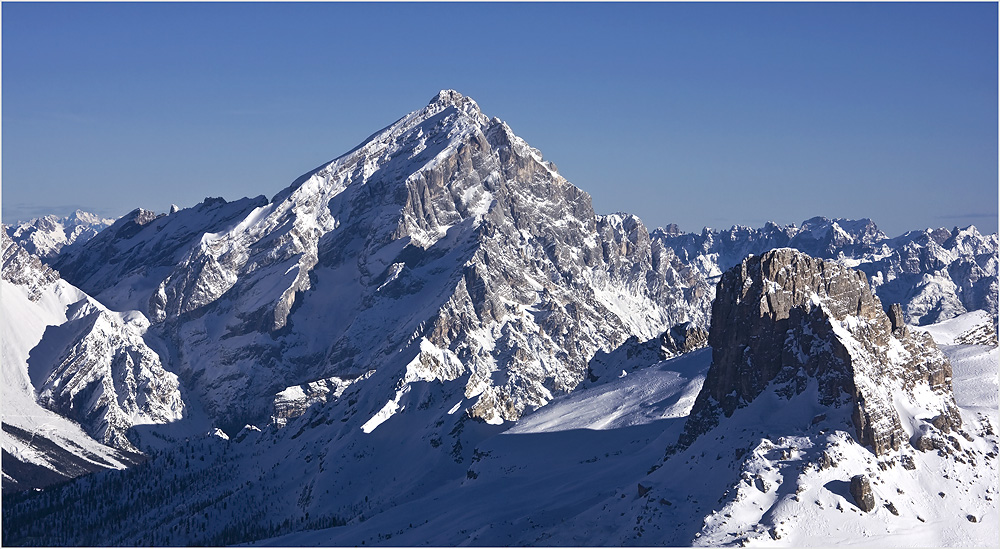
[(96, 369), (587, 469), (48, 236), (935, 274), (121, 266), (443, 248), (40, 447), (777, 471), (70, 364), (433, 339)]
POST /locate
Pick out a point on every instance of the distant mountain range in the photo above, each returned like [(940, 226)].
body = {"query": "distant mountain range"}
[(47, 236), (935, 274), (434, 339)]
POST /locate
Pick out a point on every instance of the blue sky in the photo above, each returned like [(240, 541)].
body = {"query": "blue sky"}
[(695, 114)]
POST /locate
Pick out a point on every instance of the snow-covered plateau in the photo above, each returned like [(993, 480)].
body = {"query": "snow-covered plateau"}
[(433, 339)]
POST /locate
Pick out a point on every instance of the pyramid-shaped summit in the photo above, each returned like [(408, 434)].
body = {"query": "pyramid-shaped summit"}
[(452, 98), (443, 248)]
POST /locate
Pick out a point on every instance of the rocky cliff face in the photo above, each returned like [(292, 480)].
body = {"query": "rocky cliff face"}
[(682, 338), (97, 370), (93, 366), (934, 274), (387, 306), (444, 248), (119, 266), (24, 269), (295, 401), (789, 323), (937, 274)]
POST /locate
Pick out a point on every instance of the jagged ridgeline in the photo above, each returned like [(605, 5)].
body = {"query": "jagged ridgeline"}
[(806, 328), (443, 248), (934, 274), (353, 355)]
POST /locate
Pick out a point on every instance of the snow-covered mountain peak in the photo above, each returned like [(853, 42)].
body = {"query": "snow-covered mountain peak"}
[(416, 142), (25, 269), (68, 353), (969, 241), (934, 274), (452, 98), (443, 238), (82, 217), (383, 314)]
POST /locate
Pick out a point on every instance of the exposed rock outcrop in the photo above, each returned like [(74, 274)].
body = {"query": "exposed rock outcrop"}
[(682, 338), (122, 265), (861, 490), (784, 321), (935, 274), (456, 254), (25, 269), (97, 370), (984, 334), (294, 401), (91, 364)]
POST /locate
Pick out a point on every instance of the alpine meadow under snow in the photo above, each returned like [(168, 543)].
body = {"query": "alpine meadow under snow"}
[(434, 340)]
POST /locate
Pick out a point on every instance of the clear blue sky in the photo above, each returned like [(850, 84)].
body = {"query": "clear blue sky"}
[(695, 114)]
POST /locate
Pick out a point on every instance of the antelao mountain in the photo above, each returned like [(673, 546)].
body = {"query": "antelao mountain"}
[(434, 339)]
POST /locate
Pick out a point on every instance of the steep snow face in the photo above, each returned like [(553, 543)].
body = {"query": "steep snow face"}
[(88, 364), (123, 264), (96, 369), (443, 248), (382, 315), (935, 274), (576, 472), (48, 236), (40, 447)]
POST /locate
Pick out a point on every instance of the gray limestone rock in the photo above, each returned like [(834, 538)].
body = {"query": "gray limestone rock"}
[(783, 319), (98, 371), (95, 368), (682, 338), (444, 248), (935, 274), (25, 269), (861, 490)]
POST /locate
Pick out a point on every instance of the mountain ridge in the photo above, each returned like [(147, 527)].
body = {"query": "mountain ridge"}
[(935, 274), (442, 186), (435, 339), (49, 235)]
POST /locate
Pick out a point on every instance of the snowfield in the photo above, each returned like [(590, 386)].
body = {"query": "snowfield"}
[(67, 449), (577, 472), (433, 339)]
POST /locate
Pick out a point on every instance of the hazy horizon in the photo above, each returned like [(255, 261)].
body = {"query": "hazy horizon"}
[(695, 114)]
